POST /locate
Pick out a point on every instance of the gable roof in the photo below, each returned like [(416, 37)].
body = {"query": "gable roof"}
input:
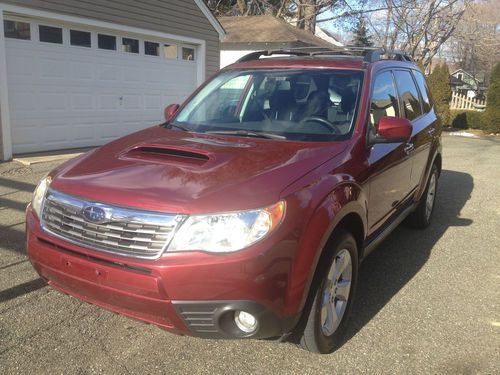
[(463, 71), (211, 18), (266, 29)]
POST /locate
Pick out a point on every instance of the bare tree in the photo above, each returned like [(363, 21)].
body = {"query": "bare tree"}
[(304, 13), (475, 45), (419, 27)]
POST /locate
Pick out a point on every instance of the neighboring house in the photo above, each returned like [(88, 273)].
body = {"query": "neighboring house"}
[(465, 83), (79, 73), (328, 36), (255, 33)]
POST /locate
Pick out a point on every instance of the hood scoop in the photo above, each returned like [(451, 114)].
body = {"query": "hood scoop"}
[(166, 154)]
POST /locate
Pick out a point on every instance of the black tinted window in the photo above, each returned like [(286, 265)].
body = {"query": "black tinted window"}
[(424, 90), (384, 98), (50, 34), (130, 45), (106, 42), (152, 49), (80, 38), (16, 29), (409, 94)]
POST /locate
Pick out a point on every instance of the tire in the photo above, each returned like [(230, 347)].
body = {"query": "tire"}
[(421, 217), (323, 333)]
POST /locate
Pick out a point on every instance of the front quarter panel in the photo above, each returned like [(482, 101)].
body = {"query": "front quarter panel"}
[(324, 204)]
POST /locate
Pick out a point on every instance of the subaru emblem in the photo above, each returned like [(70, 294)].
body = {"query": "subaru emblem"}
[(94, 214)]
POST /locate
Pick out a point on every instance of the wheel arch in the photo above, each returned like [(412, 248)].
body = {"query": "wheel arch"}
[(342, 213)]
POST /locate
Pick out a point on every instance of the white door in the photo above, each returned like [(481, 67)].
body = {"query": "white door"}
[(75, 86)]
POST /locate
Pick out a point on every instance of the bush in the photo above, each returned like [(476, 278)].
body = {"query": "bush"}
[(467, 119), (491, 118)]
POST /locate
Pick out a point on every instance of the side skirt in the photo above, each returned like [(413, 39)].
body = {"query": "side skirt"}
[(371, 244)]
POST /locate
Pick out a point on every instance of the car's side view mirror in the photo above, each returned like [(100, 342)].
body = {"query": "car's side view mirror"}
[(391, 130), (170, 111)]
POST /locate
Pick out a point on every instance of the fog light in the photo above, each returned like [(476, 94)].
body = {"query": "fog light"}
[(245, 321)]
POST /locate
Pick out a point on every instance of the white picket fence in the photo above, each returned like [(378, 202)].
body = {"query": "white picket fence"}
[(459, 101)]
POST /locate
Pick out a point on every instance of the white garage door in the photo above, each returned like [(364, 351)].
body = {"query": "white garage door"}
[(75, 86)]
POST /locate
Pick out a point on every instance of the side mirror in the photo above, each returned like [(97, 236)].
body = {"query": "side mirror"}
[(391, 130), (170, 111)]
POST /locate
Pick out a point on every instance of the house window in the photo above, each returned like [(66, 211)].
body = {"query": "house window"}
[(80, 38), (50, 34), (152, 49), (188, 54), (106, 42), (170, 51), (17, 30), (130, 45), (460, 76)]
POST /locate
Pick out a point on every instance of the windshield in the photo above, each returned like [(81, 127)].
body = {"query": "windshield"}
[(294, 104)]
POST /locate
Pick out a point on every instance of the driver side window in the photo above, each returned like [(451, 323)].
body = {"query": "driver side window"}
[(384, 99)]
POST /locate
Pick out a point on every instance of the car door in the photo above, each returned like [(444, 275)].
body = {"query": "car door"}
[(417, 110), (389, 165)]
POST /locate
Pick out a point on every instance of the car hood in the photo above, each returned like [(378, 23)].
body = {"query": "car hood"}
[(173, 171)]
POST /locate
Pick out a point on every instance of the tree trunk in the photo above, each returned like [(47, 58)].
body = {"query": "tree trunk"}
[(307, 15), (242, 6)]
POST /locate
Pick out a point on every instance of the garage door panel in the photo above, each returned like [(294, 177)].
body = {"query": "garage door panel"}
[(82, 101), (64, 96)]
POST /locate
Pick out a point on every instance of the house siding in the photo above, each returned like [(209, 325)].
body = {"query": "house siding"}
[(179, 17)]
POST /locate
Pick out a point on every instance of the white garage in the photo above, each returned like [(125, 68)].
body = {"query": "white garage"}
[(72, 83)]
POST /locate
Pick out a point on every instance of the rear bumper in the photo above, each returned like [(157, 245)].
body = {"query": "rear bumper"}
[(167, 292)]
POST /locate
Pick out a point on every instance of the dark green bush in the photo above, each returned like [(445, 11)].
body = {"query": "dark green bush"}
[(439, 84), (461, 119), (491, 119)]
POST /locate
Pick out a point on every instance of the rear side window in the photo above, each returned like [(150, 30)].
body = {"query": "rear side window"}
[(384, 98), (424, 91), (409, 94)]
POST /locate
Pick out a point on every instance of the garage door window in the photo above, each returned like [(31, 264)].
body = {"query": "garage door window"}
[(80, 38), (50, 34), (17, 30), (170, 51), (188, 54), (152, 49), (106, 42), (130, 45)]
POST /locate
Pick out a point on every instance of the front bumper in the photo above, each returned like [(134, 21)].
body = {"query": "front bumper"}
[(188, 294)]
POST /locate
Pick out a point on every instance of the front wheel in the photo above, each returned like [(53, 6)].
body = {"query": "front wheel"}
[(333, 297)]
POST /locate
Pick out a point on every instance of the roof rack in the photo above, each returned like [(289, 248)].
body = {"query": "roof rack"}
[(369, 54)]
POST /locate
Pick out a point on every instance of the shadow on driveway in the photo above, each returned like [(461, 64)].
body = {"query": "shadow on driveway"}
[(384, 272)]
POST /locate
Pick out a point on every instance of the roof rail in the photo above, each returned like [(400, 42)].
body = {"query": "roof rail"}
[(369, 54)]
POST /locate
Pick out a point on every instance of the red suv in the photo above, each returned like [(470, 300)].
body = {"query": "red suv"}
[(247, 213)]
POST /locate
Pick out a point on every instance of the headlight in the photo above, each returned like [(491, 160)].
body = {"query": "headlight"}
[(227, 232), (39, 195)]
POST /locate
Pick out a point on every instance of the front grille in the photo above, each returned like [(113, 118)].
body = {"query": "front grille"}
[(123, 231)]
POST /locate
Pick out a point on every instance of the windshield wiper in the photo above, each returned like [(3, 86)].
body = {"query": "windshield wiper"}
[(170, 125), (247, 133)]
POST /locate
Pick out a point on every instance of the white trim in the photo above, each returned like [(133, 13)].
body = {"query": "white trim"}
[(211, 18), (4, 98)]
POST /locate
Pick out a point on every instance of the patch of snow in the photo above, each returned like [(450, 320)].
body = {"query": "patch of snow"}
[(464, 134)]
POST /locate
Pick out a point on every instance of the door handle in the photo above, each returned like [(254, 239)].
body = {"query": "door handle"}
[(431, 131), (409, 148)]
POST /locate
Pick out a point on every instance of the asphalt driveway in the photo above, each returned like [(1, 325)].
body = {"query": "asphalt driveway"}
[(428, 301)]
